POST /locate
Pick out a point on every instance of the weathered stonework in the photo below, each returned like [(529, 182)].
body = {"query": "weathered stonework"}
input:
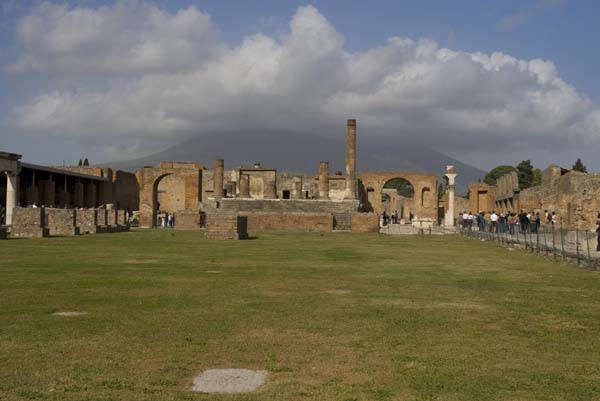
[(225, 225), (309, 222), (28, 223), (187, 220), (87, 221), (365, 222), (61, 222)]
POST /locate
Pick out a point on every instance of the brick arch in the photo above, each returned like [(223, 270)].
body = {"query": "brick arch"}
[(150, 177), (419, 182)]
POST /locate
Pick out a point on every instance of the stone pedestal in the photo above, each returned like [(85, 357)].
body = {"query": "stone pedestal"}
[(61, 222), (225, 225), (244, 186), (28, 223), (87, 221)]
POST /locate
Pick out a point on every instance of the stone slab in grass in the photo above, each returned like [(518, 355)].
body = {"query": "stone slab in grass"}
[(69, 313), (229, 381)]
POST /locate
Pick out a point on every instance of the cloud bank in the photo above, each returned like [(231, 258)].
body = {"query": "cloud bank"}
[(133, 77)]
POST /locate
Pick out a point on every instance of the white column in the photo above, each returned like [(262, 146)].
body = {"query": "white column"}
[(11, 195), (449, 217)]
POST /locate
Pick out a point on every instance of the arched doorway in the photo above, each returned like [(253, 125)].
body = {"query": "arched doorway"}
[(168, 195), (398, 194)]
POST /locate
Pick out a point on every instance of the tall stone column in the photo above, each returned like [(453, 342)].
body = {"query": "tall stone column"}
[(351, 185), (449, 217), (324, 180), (297, 187), (78, 195), (244, 186), (90, 195), (11, 195), (218, 178)]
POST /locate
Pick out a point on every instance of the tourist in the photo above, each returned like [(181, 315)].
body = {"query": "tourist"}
[(385, 218), (502, 223), (460, 220), (479, 220), (554, 219), (470, 221), (494, 221), (537, 223)]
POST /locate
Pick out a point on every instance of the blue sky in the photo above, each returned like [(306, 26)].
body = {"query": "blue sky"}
[(564, 33)]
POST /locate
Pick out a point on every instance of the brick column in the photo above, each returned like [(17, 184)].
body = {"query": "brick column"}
[(351, 184), (78, 195), (90, 195), (324, 180), (218, 178)]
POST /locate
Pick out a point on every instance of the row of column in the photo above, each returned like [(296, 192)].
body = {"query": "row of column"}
[(84, 195)]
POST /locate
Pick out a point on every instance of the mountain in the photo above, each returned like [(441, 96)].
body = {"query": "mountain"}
[(301, 153)]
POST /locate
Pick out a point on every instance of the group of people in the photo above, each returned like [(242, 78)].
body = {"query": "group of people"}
[(165, 219), (507, 222), (393, 218)]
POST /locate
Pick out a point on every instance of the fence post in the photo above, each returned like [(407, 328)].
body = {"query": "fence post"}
[(537, 240), (562, 242), (553, 243), (587, 240), (545, 243)]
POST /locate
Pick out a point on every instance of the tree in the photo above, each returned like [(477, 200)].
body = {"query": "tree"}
[(80, 163), (86, 162), (579, 166), (525, 173), (441, 191), (537, 177), (497, 172)]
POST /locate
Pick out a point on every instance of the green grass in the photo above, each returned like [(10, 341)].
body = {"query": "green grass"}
[(331, 317)]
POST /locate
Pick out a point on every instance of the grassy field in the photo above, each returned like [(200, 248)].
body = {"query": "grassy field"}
[(331, 317)]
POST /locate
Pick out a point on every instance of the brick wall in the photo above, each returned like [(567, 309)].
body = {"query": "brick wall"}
[(365, 222), (187, 220), (289, 205), (225, 225), (259, 221)]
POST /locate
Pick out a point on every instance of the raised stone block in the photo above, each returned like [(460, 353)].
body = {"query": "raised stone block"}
[(3, 234), (61, 222), (365, 222), (226, 225), (87, 221), (28, 223), (187, 220)]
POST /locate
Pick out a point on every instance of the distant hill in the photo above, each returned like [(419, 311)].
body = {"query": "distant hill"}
[(301, 153)]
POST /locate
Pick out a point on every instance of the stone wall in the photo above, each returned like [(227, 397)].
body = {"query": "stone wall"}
[(187, 220), (61, 221), (365, 222), (87, 221), (317, 222), (3, 234), (225, 225), (28, 223), (289, 206)]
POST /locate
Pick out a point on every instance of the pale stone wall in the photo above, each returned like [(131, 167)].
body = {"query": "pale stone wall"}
[(171, 194), (187, 220), (28, 223)]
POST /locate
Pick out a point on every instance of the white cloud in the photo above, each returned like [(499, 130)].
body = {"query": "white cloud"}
[(165, 77)]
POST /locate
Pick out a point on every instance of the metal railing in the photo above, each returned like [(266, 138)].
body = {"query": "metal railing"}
[(574, 246)]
